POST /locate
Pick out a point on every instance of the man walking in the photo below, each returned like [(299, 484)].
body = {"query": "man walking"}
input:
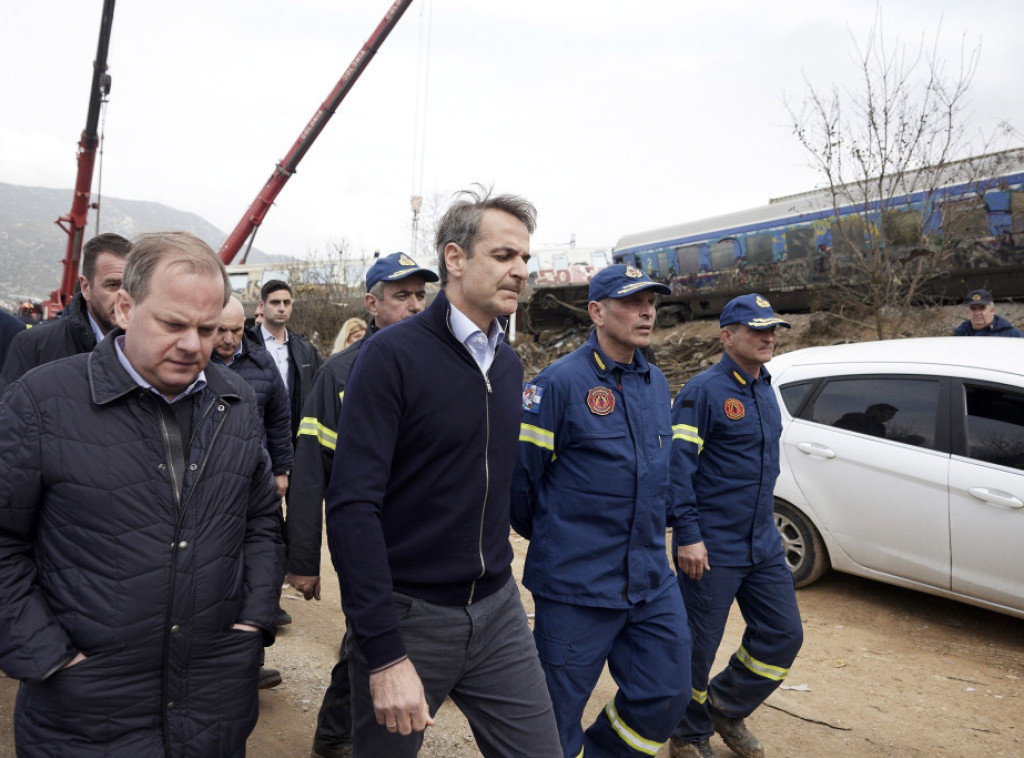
[(395, 290), (418, 506), (590, 493), (140, 557), (725, 460), (87, 319)]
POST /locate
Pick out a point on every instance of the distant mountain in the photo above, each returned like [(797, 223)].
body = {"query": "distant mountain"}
[(32, 246)]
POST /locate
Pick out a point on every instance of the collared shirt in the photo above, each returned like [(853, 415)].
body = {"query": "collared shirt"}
[(193, 388), (95, 327), (279, 352), (481, 347)]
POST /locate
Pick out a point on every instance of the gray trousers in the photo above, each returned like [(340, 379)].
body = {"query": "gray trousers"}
[(483, 657)]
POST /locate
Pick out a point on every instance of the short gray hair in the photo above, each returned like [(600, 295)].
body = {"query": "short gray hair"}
[(179, 249), (461, 221)]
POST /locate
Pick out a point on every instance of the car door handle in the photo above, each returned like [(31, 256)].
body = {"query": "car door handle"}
[(813, 448), (996, 497)]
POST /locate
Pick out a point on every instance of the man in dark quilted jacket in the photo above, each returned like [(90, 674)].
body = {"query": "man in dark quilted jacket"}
[(140, 553)]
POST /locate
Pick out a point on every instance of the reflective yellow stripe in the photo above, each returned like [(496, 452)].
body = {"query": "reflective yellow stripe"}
[(627, 735), (542, 438), (341, 396), (687, 433), (775, 673), (580, 754), (313, 428), (700, 696)]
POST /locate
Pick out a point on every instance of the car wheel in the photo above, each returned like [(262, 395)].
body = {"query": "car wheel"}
[(805, 551)]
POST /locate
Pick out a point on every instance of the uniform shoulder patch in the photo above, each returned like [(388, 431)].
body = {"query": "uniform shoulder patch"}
[(734, 409), (601, 401), (532, 394)]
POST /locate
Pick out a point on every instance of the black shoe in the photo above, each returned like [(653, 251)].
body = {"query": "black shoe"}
[(269, 678), (282, 617), (345, 751), (735, 734), (698, 749)]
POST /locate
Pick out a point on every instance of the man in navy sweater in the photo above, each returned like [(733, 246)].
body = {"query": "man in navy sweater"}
[(418, 506)]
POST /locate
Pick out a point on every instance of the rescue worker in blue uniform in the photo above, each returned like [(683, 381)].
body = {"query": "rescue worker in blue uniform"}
[(590, 493), (725, 460)]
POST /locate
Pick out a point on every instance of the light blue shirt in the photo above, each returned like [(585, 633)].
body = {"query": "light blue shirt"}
[(279, 352), (482, 347), (193, 388)]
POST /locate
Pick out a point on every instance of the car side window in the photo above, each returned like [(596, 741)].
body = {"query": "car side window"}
[(900, 409), (793, 395), (995, 425)]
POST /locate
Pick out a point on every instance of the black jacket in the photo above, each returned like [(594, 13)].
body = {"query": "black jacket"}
[(120, 540), (314, 455), (256, 366), (70, 334), (418, 500), (10, 327), (303, 364)]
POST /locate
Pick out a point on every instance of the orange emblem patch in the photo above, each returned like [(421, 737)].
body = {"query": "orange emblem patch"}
[(601, 401), (734, 409)]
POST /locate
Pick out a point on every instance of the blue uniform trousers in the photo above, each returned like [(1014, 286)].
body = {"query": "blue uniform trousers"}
[(771, 640), (647, 648)]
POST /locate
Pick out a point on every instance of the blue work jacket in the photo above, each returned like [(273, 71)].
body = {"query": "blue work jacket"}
[(591, 480), (725, 460)]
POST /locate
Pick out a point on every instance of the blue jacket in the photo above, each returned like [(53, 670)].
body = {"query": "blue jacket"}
[(256, 366), (725, 460), (999, 327), (591, 480), (418, 498)]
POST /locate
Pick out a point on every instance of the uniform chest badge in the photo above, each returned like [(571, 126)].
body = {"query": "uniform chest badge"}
[(734, 409), (532, 394), (601, 401)]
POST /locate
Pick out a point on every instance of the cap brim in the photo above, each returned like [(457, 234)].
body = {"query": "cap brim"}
[(629, 289), (759, 324), (426, 273)]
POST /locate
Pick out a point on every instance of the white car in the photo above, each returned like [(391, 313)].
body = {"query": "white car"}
[(903, 461)]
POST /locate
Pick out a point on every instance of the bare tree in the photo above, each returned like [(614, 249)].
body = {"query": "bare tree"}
[(901, 132)]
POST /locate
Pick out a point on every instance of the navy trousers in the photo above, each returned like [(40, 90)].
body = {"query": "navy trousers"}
[(771, 640), (647, 648)]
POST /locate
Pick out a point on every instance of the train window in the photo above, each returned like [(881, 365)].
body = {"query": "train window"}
[(1017, 211), (689, 259), (903, 227), (800, 243), (665, 264), (848, 236), (962, 219), (723, 254), (759, 248)]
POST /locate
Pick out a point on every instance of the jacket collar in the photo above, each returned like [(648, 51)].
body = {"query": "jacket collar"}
[(108, 380), (740, 377), (603, 365)]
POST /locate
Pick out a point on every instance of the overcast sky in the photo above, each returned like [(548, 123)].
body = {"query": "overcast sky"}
[(612, 117)]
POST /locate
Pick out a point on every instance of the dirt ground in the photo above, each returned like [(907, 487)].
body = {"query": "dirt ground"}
[(883, 672)]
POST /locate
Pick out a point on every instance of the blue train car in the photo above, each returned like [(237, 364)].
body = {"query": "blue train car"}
[(795, 248)]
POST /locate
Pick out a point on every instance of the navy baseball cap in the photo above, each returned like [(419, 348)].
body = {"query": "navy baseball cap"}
[(392, 268), (979, 297), (751, 310), (622, 280)]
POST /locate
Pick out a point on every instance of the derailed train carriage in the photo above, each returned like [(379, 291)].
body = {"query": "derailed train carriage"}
[(797, 248)]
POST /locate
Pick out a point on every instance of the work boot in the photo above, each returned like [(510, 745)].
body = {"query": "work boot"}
[(735, 734), (345, 751), (282, 617), (698, 749), (269, 678)]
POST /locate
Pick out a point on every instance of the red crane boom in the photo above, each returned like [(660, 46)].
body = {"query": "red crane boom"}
[(74, 222), (254, 216)]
